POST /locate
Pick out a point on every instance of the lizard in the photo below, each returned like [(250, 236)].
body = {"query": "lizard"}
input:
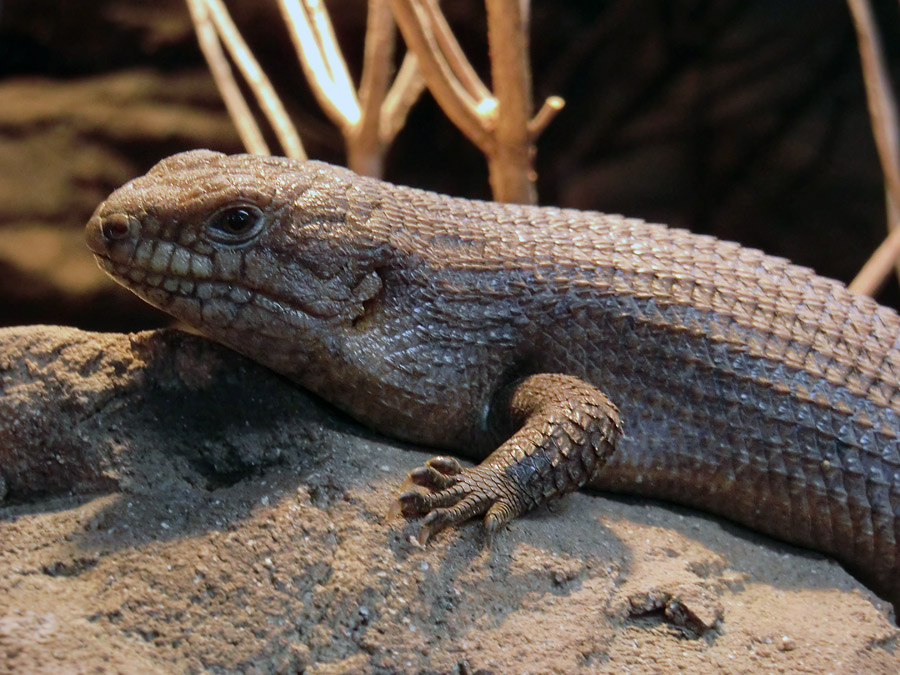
[(565, 348)]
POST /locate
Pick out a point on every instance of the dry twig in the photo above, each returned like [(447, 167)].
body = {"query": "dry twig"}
[(472, 116), (325, 68), (368, 122), (499, 124), (243, 120), (384, 106), (883, 113), (256, 79), (512, 174)]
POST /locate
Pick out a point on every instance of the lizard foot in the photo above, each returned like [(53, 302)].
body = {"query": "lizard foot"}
[(564, 431), (458, 494)]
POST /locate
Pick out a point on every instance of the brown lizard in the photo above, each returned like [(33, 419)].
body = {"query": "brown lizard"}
[(747, 386)]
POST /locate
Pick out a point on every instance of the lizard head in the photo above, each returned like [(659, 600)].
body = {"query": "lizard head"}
[(260, 253)]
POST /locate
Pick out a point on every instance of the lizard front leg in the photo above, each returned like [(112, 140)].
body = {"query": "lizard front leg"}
[(566, 430)]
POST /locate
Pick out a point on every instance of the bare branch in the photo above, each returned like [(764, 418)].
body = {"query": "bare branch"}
[(257, 80), (377, 60), (334, 59), (365, 138), (451, 95), (497, 123), (327, 42), (879, 264), (367, 128), (552, 106), (510, 164), (237, 107), (456, 59), (405, 91), (883, 114), (326, 73), (882, 105)]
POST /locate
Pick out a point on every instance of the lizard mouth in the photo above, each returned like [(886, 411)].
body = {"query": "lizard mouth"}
[(211, 305), (184, 283), (191, 299)]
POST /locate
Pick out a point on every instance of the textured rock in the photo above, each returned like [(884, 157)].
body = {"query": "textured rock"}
[(172, 507)]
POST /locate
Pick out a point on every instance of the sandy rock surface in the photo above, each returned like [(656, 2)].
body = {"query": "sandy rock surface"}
[(170, 507)]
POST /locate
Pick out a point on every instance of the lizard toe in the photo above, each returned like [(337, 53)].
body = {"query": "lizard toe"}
[(438, 473), (472, 492), (498, 516), (418, 503), (444, 517)]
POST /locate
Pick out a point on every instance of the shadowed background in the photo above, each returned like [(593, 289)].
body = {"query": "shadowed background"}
[(742, 119)]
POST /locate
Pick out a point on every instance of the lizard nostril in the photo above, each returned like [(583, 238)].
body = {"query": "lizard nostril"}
[(114, 228), (116, 232)]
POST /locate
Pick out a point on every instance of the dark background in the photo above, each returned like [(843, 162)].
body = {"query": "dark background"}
[(744, 119)]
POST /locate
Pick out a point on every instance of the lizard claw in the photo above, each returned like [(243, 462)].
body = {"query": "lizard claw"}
[(458, 494)]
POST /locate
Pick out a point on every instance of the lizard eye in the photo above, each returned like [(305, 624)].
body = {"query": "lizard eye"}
[(235, 224)]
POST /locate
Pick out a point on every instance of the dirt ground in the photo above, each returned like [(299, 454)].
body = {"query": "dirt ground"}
[(171, 507)]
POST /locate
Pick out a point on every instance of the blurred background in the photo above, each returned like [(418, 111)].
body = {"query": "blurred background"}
[(743, 119)]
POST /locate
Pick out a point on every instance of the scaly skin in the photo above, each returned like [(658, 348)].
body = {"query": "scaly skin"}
[(747, 386)]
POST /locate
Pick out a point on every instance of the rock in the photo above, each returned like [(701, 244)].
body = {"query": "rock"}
[(171, 506)]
